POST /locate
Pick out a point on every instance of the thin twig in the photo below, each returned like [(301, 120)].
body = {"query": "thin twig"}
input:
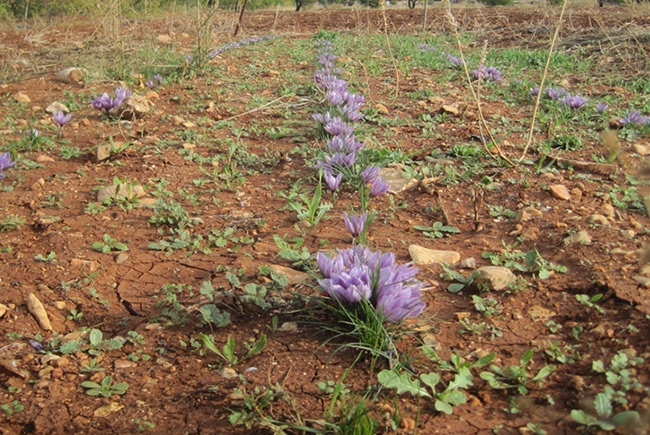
[(257, 109), (390, 50), (541, 84)]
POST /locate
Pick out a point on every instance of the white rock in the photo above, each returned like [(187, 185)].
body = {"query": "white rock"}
[(582, 237), (56, 107), (421, 255), (22, 97), (397, 180), (495, 277), (71, 75), (294, 277)]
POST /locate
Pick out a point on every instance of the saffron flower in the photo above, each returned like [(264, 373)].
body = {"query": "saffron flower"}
[(635, 117), (358, 272), (602, 107), (378, 187), (5, 163), (573, 101), (355, 224), (369, 174), (455, 61), (344, 144), (534, 91), (555, 93), (488, 73), (332, 182), (61, 118), (337, 127)]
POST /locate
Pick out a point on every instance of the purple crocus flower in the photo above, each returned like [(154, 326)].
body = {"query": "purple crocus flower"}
[(322, 118), (602, 107), (5, 163), (355, 224), (359, 272), (378, 187), (338, 127), (344, 144), (635, 117), (573, 101), (455, 61), (555, 93), (121, 94), (332, 182), (32, 133), (534, 91), (61, 118), (487, 73), (369, 174)]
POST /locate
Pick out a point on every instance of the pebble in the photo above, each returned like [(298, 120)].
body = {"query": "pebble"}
[(289, 327), (3, 309), (294, 277), (448, 108), (598, 219), (560, 191), (22, 97), (103, 152), (581, 237), (495, 277), (528, 213), (608, 210), (229, 373), (121, 257), (421, 255), (71, 75), (42, 158), (644, 281), (468, 263), (56, 107)]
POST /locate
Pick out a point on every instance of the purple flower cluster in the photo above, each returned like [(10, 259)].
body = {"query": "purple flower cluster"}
[(61, 118), (454, 60), (487, 73), (573, 101), (355, 224), (157, 80), (555, 93), (105, 102), (5, 163), (425, 48), (241, 43), (635, 117), (358, 272), (602, 107), (343, 146)]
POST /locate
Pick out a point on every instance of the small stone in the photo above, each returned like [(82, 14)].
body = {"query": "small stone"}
[(560, 191), (45, 372), (71, 75), (421, 255), (381, 109), (3, 310), (42, 384), (57, 373), (50, 359), (103, 152), (468, 263), (74, 336), (630, 234), (495, 277), (462, 315), (189, 146), (56, 107), (642, 150), (163, 39), (177, 120), (598, 219), (289, 327), (37, 310), (576, 192), (121, 257), (581, 237), (527, 213), (397, 180), (78, 263), (645, 270), (448, 108), (189, 124), (22, 97), (135, 106), (294, 277), (112, 192), (540, 314), (60, 305), (608, 210), (123, 364), (644, 281), (229, 373), (42, 158)]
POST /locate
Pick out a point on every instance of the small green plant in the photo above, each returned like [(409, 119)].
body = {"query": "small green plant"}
[(515, 376), (590, 301), (437, 230), (75, 315), (106, 388), (70, 152), (487, 306), (530, 262), (143, 425), (308, 210), (109, 244), (12, 407), (605, 419), (125, 194), (449, 274), (92, 367), (11, 222), (297, 254), (49, 258), (227, 352), (171, 213)]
